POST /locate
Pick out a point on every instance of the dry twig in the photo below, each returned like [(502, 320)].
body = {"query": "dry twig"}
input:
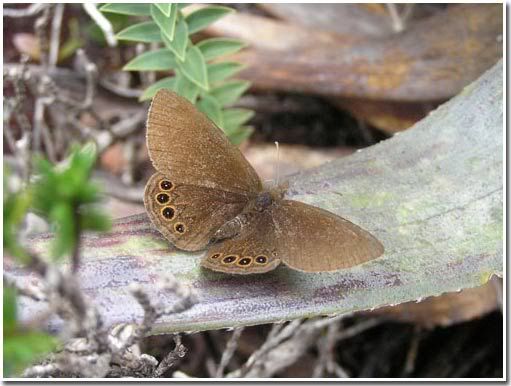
[(102, 22), (411, 356), (31, 10), (56, 25), (230, 348), (172, 358)]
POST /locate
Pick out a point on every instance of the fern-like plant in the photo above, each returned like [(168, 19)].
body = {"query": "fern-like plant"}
[(195, 71)]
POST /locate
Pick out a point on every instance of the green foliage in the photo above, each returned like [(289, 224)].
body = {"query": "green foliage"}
[(234, 118), (222, 70), (133, 9), (65, 196), (194, 69), (157, 60), (212, 109), (9, 310), (200, 19), (168, 82), (227, 93), (166, 9), (61, 194), (214, 47), (146, 32), (22, 347), (16, 205), (179, 44), (167, 23)]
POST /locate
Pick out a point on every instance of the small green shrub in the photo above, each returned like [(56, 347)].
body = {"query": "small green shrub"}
[(65, 197), (196, 72)]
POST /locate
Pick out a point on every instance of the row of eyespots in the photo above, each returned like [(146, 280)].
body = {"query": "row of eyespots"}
[(168, 212), (241, 262)]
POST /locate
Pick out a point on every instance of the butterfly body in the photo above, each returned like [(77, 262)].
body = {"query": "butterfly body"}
[(206, 195)]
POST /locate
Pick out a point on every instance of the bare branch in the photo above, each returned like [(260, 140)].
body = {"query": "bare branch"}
[(172, 358), (55, 35), (273, 340), (232, 344), (397, 22), (40, 29), (102, 22), (32, 10), (358, 328), (411, 356)]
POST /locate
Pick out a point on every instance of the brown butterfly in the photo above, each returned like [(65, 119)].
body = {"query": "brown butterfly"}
[(206, 194)]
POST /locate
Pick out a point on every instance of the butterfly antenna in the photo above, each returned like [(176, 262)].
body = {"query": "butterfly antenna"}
[(277, 166)]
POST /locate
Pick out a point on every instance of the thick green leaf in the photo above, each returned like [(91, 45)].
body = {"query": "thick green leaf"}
[(433, 196), (146, 32), (214, 47), (133, 9), (210, 106), (167, 24), (222, 70), (194, 68), (165, 8), (203, 17), (180, 42), (158, 60), (230, 92), (234, 118), (168, 83)]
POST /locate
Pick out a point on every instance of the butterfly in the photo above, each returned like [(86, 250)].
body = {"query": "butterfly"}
[(205, 194)]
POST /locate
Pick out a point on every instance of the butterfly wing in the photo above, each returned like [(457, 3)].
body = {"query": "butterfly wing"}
[(189, 215), (185, 145), (253, 250), (314, 240)]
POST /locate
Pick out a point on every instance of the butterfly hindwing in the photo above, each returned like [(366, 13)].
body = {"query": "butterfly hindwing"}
[(314, 240), (301, 236), (189, 215), (253, 250)]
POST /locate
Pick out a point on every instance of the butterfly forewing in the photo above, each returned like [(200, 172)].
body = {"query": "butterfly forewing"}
[(314, 240), (185, 144)]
